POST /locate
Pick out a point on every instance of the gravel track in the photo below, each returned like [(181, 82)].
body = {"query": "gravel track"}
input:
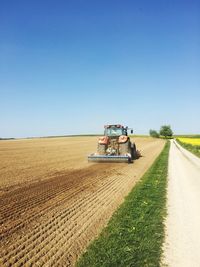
[(182, 243), (51, 222)]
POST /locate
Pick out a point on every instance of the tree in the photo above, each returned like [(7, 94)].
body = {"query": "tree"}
[(153, 133), (166, 131)]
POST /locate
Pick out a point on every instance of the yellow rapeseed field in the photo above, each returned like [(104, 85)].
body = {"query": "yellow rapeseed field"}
[(192, 141)]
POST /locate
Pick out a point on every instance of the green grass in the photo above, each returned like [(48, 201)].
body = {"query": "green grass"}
[(192, 148), (167, 137), (135, 233)]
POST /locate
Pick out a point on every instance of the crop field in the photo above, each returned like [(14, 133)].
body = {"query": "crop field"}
[(53, 202), (191, 141)]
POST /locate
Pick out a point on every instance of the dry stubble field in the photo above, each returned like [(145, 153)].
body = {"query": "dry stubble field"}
[(53, 202)]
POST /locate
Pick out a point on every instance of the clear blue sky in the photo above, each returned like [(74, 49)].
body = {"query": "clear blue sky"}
[(69, 67)]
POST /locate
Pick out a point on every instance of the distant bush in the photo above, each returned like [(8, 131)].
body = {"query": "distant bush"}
[(153, 133)]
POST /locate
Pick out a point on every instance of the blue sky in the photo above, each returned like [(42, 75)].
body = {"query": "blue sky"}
[(69, 67)]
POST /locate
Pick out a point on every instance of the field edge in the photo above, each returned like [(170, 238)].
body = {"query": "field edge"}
[(135, 233)]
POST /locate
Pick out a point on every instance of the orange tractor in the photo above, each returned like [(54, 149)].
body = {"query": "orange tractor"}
[(115, 146)]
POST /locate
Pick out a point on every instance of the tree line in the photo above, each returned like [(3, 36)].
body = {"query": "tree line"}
[(165, 131)]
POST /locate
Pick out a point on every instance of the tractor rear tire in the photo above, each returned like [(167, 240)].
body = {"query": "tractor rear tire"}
[(133, 151)]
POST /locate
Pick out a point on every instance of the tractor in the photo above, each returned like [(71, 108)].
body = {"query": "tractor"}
[(115, 146)]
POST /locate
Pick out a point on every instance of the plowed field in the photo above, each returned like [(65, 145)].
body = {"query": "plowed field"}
[(53, 202)]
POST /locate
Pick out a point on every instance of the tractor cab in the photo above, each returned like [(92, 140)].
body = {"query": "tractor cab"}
[(115, 130)]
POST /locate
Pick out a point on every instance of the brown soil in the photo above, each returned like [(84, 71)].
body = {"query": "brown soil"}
[(50, 220)]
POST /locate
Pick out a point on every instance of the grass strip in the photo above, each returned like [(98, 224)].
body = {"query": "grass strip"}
[(135, 233), (192, 148)]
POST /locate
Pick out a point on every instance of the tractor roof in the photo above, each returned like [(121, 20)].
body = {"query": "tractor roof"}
[(114, 126)]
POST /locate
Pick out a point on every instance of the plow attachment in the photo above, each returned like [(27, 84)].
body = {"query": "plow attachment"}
[(106, 158)]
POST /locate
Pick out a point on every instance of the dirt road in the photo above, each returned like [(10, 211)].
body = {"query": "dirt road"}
[(50, 221), (183, 222)]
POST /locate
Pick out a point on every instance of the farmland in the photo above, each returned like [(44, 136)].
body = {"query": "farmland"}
[(135, 232), (190, 143), (53, 202)]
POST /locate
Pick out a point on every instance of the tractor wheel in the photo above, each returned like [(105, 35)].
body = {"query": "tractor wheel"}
[(133, 151), (101, 149)]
